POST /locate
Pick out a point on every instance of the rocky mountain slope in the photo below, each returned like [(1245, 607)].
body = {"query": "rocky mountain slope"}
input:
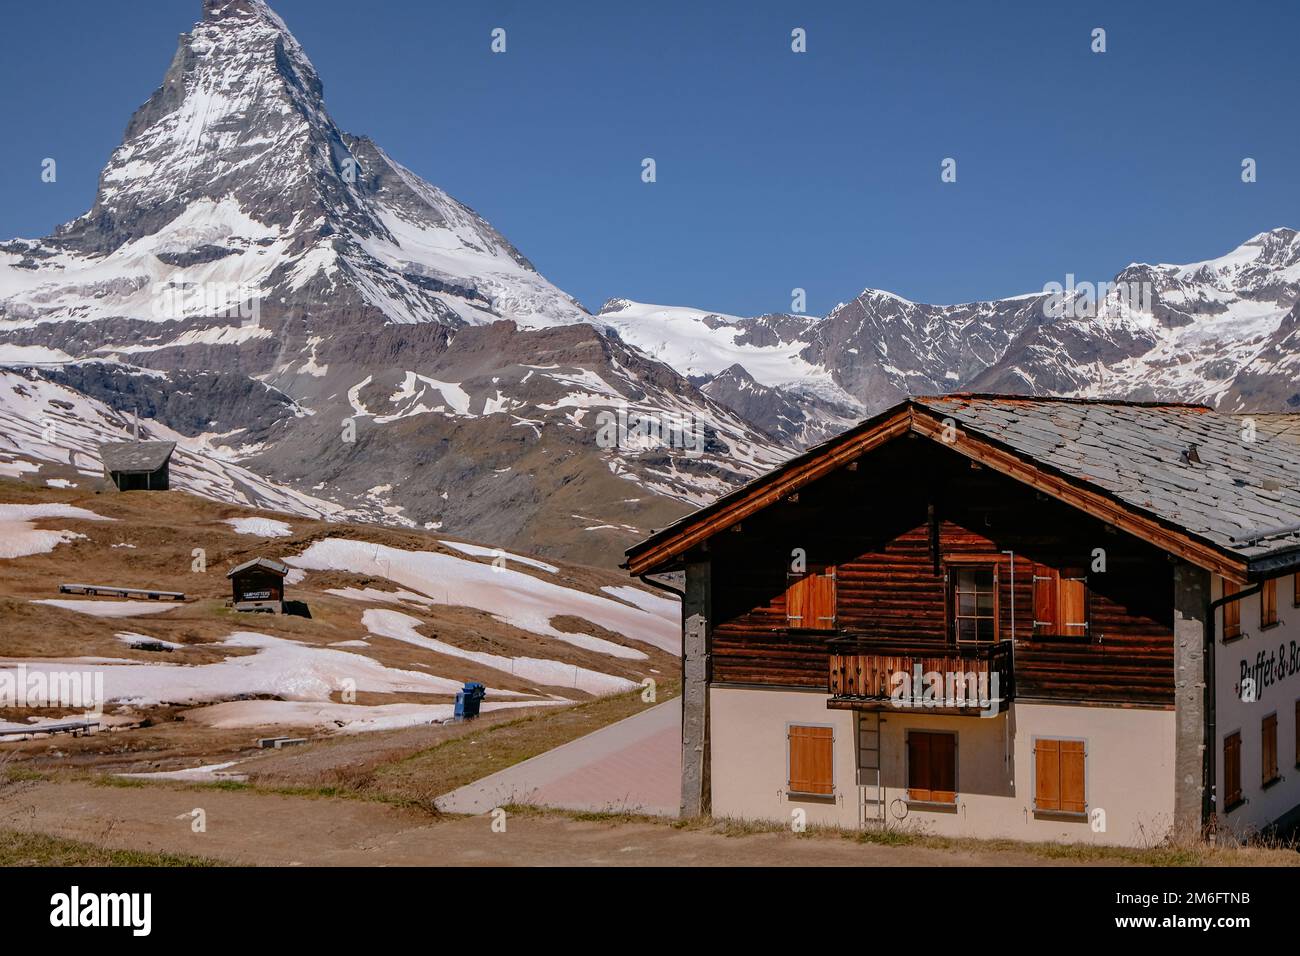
[(287, 300), (1224, 331), (254, 278)]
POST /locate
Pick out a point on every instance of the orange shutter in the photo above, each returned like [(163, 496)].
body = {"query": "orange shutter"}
[(1072, 754), (1268, 749), (943, 768), (812, 760), (1268, 604), (918, 767), (1231, 770), (1047, 775), (796, 599), (810, 599), (1072, 603), (1045, 594), (1231, 612), (821, 604)]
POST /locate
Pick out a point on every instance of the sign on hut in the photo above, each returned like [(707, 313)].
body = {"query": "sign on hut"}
[(138, 465), (258, 585)]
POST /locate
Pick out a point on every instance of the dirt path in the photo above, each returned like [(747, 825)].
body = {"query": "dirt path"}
[(252, 828)]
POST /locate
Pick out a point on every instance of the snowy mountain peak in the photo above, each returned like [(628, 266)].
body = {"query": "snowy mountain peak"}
[(234, 175)]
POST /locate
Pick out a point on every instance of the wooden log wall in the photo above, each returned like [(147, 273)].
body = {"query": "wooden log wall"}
[(876, 525)]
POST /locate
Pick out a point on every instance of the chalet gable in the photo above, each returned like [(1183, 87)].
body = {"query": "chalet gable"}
[(1201, 485)]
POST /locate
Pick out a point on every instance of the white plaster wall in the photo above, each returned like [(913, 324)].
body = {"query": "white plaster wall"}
[(1129, 768), (1276, 693)]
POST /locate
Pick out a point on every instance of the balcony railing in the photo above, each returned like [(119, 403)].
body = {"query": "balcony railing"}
[(920, 677)]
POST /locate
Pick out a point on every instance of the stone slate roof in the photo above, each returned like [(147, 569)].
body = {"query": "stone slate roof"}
[(1243, 496), (1279, 424), (266, 564), (136, 455), (1240, 497)]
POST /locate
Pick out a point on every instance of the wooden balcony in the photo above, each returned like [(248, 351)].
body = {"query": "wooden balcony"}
[(923, 678)]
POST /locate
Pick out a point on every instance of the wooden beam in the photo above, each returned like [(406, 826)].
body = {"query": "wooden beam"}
[(744, 504)]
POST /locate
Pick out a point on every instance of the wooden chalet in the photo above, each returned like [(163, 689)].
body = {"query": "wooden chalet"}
[(1044, 619), (138, 465), (258, 585)]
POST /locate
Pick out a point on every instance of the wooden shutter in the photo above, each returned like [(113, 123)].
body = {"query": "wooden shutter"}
[(1045, 599), (1072, 757), (943, 768), (1268, 604), (1297, 733), (1060, 601), (1047, 775), (796, 599), (812, 760), (1268, 749), (810, 599), (1072, 603), (1295, 588), (932, 767), (1231, 770), (1231, 612), (1059, 776), (918, 766)]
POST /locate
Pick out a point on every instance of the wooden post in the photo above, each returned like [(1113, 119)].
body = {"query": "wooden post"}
[(697, 613), (1191, 596)]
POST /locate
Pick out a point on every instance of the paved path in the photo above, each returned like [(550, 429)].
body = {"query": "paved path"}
[(634, 765)]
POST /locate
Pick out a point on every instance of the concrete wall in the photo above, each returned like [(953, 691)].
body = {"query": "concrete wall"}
[(1129, 769), (1277, 689)]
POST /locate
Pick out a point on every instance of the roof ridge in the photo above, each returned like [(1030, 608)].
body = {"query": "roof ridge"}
[(1060, 399)]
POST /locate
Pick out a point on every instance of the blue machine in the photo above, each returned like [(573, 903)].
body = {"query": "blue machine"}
[(467, 701)]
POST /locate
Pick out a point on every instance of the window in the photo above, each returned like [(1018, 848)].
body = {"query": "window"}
[(812, 760), (974, 602), (931, 767), (1060, 602), (810, 599), (1232, 771), (1295, 589), (1231, 612), (1058, 776), (1268, 750), (1268, 603)]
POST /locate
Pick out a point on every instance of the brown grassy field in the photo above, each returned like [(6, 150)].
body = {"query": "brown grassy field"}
[(163, 529)]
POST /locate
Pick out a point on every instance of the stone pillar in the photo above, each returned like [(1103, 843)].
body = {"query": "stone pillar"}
[(697, 624), (1191, 594)]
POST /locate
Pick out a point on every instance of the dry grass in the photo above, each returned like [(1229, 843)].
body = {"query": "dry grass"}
[(164, 528), (1262, 852), (37, 849)]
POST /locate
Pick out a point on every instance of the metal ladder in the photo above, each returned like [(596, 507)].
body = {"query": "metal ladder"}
[(871, 794)]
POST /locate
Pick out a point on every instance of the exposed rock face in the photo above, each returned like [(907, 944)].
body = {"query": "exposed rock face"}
[(337, 322), (254, 279), (1221, 331)]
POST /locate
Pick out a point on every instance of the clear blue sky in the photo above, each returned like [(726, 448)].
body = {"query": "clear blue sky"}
[(775, 170)]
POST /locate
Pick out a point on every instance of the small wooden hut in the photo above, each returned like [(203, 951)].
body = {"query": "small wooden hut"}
[(138, 465), (258, 585)]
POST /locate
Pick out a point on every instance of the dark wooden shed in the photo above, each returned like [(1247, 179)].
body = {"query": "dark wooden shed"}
[(258, 585), (138, 465)]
